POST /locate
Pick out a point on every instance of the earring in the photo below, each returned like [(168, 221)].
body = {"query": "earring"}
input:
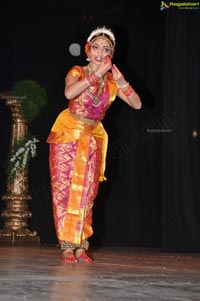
[(88, 59)]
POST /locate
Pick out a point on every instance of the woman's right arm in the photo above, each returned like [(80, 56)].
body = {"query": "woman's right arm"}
[(74, 86)]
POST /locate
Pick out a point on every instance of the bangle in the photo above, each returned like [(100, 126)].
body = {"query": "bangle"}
[(98, 74), (123, 86), (92, 78), (129, 91), (130, 94), (87, 82)]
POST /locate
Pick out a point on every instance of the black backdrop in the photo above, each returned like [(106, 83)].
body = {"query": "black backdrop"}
[(151, 194), (181, 172)]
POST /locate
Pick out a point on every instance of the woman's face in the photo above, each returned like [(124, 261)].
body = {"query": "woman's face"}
[(99, 49)]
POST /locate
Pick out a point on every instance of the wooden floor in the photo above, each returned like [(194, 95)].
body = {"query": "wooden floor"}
[(117, 273)]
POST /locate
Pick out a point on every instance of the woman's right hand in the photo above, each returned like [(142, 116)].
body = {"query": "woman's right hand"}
[(105, 65)]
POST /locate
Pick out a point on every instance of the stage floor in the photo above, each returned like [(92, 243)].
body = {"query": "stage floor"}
[(117, 273)]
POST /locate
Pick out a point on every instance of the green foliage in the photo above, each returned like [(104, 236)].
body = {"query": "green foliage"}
[(33, 98)]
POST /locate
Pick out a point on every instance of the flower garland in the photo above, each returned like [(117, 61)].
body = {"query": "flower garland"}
[(22, 152)]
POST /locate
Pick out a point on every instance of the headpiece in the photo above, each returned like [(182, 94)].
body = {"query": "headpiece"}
[(102, 31)]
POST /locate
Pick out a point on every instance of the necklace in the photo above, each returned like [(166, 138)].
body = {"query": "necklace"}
[(96, 100)]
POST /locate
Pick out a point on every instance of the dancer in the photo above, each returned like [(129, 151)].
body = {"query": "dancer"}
[(78, 142)]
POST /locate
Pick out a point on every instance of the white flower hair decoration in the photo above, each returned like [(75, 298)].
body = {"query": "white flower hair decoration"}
[(102, 30)]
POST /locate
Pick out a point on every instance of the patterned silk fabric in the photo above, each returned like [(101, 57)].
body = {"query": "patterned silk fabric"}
[(77, 161)]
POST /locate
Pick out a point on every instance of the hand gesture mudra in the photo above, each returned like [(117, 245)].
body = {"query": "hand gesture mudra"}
[(105, 66), (118, 76)]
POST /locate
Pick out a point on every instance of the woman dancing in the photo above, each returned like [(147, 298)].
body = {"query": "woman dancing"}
[(78, 142)]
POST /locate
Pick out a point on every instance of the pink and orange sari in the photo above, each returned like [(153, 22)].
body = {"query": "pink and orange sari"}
[(77, 159)]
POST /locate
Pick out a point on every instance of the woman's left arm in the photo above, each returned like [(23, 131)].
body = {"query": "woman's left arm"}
[(125, 91)]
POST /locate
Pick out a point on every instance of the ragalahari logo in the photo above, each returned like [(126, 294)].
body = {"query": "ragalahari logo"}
[(180, 5), (164, 5)]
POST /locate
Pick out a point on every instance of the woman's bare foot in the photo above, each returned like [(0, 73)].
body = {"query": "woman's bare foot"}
[(82, 256), (68, 256)]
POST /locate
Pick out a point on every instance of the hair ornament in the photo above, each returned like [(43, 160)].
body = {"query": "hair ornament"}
[(102, 30)]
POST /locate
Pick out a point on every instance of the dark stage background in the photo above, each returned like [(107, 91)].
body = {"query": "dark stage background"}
[(151, 196)]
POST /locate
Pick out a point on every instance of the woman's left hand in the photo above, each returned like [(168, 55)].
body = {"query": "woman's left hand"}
[(118, 76)]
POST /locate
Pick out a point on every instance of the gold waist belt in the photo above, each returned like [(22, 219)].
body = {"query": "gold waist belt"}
[(84, 119)]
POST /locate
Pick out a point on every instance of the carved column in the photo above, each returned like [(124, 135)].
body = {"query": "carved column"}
[(17, 212)]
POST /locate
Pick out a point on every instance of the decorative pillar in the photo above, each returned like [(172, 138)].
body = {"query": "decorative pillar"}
[(17, 213)]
